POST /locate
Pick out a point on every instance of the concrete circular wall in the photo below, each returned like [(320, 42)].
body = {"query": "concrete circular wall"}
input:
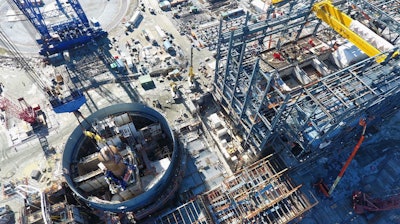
[(76, 139)]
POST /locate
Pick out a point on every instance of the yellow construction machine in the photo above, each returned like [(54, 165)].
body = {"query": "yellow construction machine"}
[(174, 90)]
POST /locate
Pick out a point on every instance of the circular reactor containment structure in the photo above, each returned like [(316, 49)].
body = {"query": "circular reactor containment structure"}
[(123, 158)]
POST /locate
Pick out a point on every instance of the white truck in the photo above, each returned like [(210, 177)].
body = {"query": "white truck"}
[(129, 62), (134, 20)]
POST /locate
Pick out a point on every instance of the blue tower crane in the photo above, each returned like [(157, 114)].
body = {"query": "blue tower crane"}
[(62, 36)]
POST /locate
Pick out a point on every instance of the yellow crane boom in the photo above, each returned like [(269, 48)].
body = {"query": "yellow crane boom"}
[(191, 74), (342, 23), (191, 80)]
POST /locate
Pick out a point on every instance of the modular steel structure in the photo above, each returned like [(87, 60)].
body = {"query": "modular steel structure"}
[(278, 81)]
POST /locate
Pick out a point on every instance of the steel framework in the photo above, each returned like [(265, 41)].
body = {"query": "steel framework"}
[(193, 211), (277, 81), (260, 193)]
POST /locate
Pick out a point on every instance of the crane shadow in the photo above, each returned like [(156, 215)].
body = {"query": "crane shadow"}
[(90, 67)]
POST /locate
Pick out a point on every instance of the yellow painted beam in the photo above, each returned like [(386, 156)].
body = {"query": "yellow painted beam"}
[(276, 1), (340, 22)]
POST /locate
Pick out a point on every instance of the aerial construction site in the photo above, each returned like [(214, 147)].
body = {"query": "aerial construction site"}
[(199, 111)]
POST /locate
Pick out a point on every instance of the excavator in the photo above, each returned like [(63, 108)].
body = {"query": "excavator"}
[(322, 186)]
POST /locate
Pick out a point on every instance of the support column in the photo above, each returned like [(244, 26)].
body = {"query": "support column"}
[(228, 61), (253, 75), (218, 56), (240, 69)]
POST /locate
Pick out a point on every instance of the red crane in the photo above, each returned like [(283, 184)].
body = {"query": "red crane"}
[(22, 110), (322, 186), (364, 203)]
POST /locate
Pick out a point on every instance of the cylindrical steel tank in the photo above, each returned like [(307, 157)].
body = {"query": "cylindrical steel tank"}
[(137, 199)]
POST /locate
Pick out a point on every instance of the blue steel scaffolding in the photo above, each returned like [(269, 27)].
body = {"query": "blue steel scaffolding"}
[(65, 35), (276, 79)]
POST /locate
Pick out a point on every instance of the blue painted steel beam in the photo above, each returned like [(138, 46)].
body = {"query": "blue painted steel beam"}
[(317, 27), (382, 15), (271, 82), (269, 11), (280, 111), (239, 70), (79, 11), (34, 16), (251, 38), (251, 85), (302, 27), (248, 141), (218, 57), (254, 28), (228, 61)]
